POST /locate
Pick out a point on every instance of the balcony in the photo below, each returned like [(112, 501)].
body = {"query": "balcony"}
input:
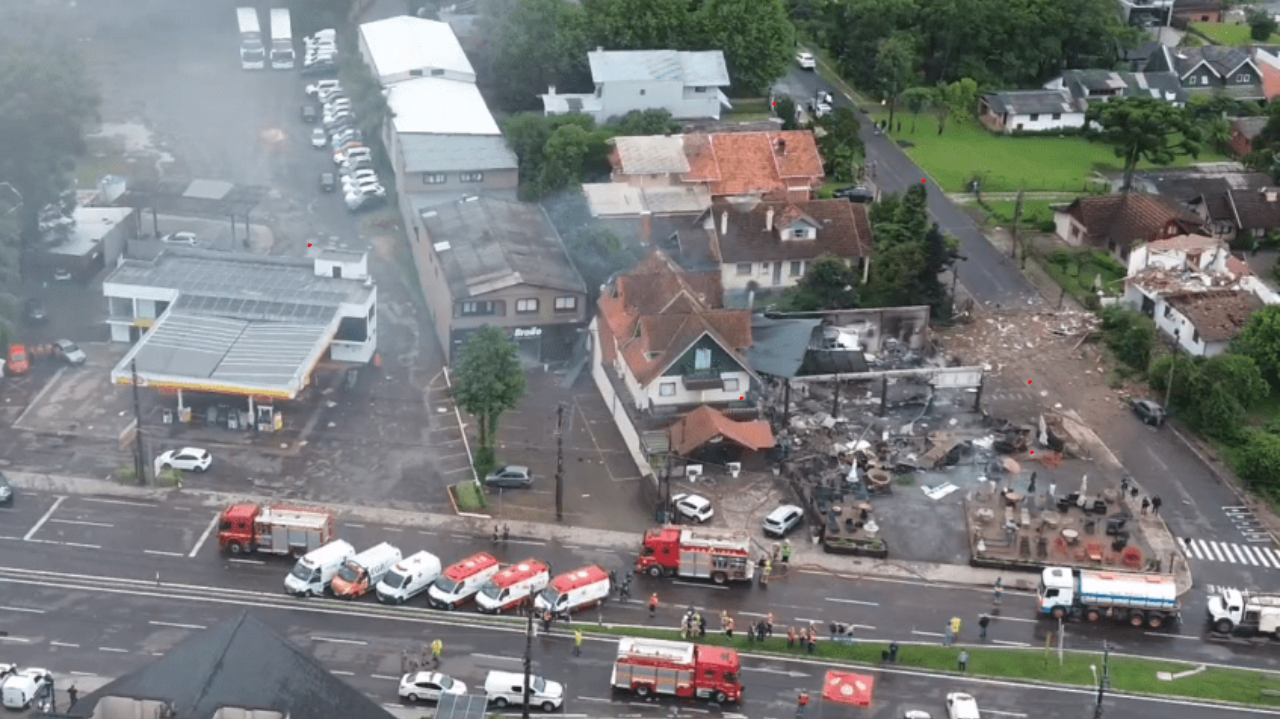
[(703, 379)]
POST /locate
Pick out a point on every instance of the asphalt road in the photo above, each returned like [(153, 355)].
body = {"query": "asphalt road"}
[(96, 539), (986, 273), (90, 634)]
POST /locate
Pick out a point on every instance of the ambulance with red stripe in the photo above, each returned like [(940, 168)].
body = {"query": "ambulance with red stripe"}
[(513, 586), (460, 582), (574, 590)]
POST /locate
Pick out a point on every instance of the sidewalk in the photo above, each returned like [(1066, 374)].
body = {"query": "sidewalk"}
[(807, 557)]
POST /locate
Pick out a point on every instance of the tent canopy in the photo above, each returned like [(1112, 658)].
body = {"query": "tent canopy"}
[(847, 688)]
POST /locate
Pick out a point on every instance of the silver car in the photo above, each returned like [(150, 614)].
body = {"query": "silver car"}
[(512, 476), (70, 352)]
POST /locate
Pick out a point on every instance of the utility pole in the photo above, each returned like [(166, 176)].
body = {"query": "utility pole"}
[(1104, 681), (1017, 219), (528, 657), (667, 514), (560, 462), (1173, 362), (139, 468)]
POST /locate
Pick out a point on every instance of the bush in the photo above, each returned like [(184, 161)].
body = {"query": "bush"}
[(468, 496), (1258, 460), (1129, 334)]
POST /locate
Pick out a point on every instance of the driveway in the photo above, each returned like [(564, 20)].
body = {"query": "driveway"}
[(986, 273)]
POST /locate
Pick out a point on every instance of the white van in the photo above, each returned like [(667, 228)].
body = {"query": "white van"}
[(409, 578), (574, 590), (314, 571), (361, 573), (22, 688), (503, 688), (460, 581)]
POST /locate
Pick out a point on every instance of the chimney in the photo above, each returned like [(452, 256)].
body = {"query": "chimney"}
[(724, 222), (768, 220), (551, 90), (780, 146), (599, 48), (1270, 193)]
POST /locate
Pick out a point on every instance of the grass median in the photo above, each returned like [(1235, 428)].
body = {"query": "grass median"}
[(1128, 674)]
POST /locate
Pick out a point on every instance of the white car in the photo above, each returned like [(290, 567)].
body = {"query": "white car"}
[(693, 506), (181, 238), (70, 352), (360, 179), (323, 86), (961, 706), (23, 687), (319, 139), (352, 155), (62, 274), (187, 459), (428, 686), (806, 60), (368, 189), (782, 520)]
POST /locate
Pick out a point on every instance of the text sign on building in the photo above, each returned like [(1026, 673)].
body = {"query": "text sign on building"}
[(526, 332)]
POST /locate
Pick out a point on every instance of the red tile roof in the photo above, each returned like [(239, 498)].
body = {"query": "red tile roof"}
[(656, 312), (747, 163), (705, 424), (1270, 80)]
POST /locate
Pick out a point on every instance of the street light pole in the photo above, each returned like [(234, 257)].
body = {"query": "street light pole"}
[(528, 658), (560, 462), (1168, 390), (1104, 680)]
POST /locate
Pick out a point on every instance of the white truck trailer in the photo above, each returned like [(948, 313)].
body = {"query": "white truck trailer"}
[(281, 39), (1141, 600), (1245, 613), (253, 55)]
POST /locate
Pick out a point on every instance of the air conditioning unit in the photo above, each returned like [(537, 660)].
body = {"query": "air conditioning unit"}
[(693, 470), (735, 468)]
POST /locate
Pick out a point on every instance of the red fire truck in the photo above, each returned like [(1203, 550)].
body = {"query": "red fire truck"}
[(273, 530), (721, 555), (657, 666)]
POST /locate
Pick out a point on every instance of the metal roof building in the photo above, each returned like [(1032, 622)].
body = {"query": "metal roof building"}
[(239, 324), (440, 107), (405, 47)]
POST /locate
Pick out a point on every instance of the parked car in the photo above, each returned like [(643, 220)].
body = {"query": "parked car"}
[(309, 113), (181, 238), (356, 203), (187, 459), (368, 189), (429, 686), (962, 706), (33, 311), (855, 194), (319, 139), (19, 361), (782, 520), (352, 154), (693, 507), (512, 476), (1149, 412), (70, 352), (324, 69), (62, 274), (806, 60), (316, 88), (6, 499), (328, 182)]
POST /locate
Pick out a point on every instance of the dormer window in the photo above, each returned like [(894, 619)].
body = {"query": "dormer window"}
[(800, 232)]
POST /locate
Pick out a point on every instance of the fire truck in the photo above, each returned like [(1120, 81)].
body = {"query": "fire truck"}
[(245, 528), (657, 666), (721, 555)]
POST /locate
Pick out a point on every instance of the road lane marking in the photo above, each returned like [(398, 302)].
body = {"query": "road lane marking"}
[(498, 658), (64, 644), (78, 521), (392, 529), (592, 699), (357, 526), (84, 674), (811, 621), (1171, 636), (207, 531), (341, 673), (695, 584), (163, 554), (426, 533), (82, 546), (853, 601), (22, 609), (113, 649), (338, 641), (1008, 643), (19, 640), (247, 561), (925, 634), (119, 501), (384, 676), (1008, 714), (526, 541), (180, 626), (44, 519)]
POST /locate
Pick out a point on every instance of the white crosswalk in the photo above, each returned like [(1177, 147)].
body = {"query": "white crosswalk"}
[(1246, 554)]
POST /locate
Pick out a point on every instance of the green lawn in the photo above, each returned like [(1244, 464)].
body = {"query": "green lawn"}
[(1223, 33), (1008, 164), (1036, 214)]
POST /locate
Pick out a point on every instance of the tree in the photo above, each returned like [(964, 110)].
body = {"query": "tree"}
[(940, 255), (829, 283), (917, 99), (1260, 340), (901, 257), (1129, 334), (1258, 460), (1144, 128), (840, 144), (647, 122), (564, 158), (639, 24), (1262, 24), (488, 381), (528, 134), (533, 44), (785, 109), (756, 36), (46, 103), (895, 66)]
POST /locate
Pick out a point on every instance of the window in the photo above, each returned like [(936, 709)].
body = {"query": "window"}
[(437, 72), (702, 358), (430, 179), (800, 233), (471, 177), (1243, 77), (1168, 311), (744, 269), (699, 89), (1035, 116), (415, 73), (526, 306), (1195, 337), (667, 389), (642, 92), (731, 384), (477, 309), (797, 268), (566, 304), (1057, 116)]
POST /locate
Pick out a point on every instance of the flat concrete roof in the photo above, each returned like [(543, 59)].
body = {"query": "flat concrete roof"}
[(236, 323), (400, 44), (438, 106), (92, 224)]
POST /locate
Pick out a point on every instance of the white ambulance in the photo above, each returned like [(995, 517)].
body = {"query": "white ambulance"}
[(513, 586), (574, 590), (460, 582)]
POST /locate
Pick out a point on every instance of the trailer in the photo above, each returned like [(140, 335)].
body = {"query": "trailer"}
[(657, 666), (1245, 613), (281, 39), (252, 54), (721, 555), (247, 528), (1149, 600)]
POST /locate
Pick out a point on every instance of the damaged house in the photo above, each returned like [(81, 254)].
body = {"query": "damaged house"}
[(1196, 291)]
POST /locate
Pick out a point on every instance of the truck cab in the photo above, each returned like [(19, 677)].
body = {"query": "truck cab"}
[(1234, 611), (1056, 593)]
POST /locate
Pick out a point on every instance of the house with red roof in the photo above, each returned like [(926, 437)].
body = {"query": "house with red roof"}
[(665, 335)]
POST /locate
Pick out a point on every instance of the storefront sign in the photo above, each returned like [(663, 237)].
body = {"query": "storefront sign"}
[(526, 332)]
